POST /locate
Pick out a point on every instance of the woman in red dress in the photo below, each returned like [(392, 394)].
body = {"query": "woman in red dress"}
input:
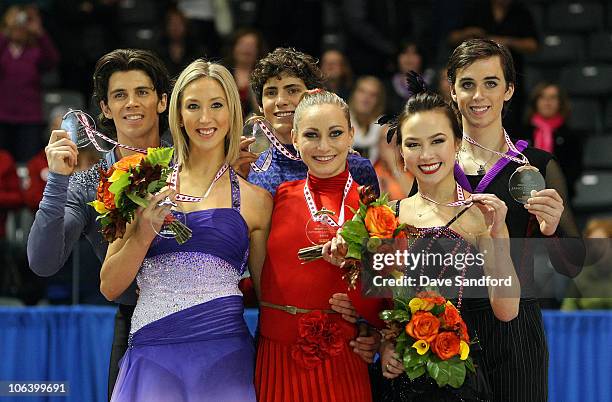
[(304, 352)]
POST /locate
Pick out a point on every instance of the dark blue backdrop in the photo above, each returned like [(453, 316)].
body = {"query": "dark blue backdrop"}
[(73, 344)]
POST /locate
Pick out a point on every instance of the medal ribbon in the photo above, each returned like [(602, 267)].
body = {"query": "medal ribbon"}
[(261, 124), (173, 183), (91, 132), (460, 198), (312, 207), (522, 160)]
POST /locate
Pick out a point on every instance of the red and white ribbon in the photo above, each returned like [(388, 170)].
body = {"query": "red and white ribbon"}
[(173, 183), (263, 126), (312, 207), (90, 129)]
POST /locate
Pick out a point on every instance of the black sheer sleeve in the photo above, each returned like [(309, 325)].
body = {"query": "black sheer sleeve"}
[(566, 248)]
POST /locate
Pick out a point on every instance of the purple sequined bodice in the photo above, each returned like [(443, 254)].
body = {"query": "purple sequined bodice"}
[(174, 277)]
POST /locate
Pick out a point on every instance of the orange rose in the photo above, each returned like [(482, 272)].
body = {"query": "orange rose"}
[(102, 193), (431, 297), (423, 326), (446, 345), (463, 332), (129, 161), (451, 316), (380, 221)]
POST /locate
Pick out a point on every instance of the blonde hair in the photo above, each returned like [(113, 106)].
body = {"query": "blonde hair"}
[(194, 71), (316, 97)]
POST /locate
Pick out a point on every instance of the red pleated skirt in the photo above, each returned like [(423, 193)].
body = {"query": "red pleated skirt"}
[(278, 378)]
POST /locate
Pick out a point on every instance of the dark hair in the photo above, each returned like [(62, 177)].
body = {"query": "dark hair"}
[(564, 102), (288, 61), (473, 50), (421, 100), (128, 60), (236, 36)]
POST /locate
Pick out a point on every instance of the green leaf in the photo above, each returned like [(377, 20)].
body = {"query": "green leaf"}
[(469, 364), (155, 186), (456, 372), (137, 200), (412, 359), (397, 315), (354, 251), (118, 186), (354, 231), (415, 372), (438, 309), (159, 156), (439, 370)]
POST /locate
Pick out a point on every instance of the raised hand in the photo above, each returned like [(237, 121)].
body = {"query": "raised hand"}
[(149, 220), (61, 153), (494, 211), (547, 206), (245, 158)]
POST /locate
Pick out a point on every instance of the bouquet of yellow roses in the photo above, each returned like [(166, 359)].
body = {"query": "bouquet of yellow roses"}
[(431, 338), (124, 187)]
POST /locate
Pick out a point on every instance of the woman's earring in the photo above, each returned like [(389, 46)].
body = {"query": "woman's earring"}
[(297, 153)]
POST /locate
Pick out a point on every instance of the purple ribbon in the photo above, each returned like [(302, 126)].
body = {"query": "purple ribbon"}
[(491, 174)]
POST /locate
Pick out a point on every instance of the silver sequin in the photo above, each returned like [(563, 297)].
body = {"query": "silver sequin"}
[(175, 281)]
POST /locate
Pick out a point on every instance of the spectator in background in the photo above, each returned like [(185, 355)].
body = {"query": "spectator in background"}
[(588, 291), (392, 177), (409, 58), (177, 47), (367, 104), (25, 52), (547, 113), (246, 46), (10, 189), (337, 72), (444, 88), (209, 20), (507, 22), (371, 29)]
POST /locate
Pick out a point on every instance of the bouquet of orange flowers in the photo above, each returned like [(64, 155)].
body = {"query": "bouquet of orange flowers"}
[(371, 223), (431, 338), (124, 187)]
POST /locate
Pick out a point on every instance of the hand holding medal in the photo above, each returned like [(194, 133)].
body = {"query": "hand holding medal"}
[(525, 179)]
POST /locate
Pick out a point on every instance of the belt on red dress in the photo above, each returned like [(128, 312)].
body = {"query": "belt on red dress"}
[(292, 309)]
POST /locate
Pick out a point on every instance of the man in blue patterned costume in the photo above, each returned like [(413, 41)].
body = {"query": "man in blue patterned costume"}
[(131, 87), (279, 80)]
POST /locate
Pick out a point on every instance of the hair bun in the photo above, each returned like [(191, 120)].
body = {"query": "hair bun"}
[(415, 84)]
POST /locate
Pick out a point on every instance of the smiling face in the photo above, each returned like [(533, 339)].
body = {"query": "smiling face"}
[(280, 97), (429, 146), (323, 138), (366, 97), (205, 114), (480, 91), (133, 105)]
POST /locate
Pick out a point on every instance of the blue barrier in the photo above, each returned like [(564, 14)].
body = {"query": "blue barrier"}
[(73, 344)]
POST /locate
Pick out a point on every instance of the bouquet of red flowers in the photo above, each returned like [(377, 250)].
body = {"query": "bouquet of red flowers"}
[(372, 222), (431, 338), (124, 187)]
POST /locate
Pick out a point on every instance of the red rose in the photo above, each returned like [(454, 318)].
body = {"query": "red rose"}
[(423, 326), (319, 339), (446, 345)]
